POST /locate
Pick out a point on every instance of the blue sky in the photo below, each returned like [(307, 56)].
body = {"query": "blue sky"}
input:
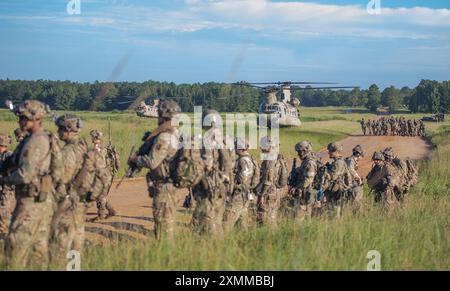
[(187, 41)]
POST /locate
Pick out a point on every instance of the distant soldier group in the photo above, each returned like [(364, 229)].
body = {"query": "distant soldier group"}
[(394, 126), (54, 179)]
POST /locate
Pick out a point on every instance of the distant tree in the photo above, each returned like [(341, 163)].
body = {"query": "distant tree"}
[(391, 98), (373, 98)]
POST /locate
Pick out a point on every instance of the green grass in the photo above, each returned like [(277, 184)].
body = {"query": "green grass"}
[(414, 237)]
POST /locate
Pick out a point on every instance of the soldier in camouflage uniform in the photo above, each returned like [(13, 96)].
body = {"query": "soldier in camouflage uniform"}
[(164, 143), (270, 187), (6, 193), (238, 203), (382, 180), (355, 193), (67, 231), (363, 126), (338, 180), (302, 181), (106, 165), (27, 240), (210, 194)]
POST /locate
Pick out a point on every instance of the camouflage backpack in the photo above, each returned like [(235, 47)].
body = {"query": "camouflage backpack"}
[(256, 173), (283, 172), (56, 158), (187, 168), (113, 157)]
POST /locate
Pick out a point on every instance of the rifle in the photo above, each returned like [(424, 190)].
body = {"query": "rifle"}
[(291, 178), (131, 171)]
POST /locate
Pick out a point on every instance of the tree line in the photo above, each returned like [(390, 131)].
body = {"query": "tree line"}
[(428, 97)]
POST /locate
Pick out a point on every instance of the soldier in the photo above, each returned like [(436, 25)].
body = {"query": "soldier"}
[(421, 128), (246, 172), (369, 127), (355, 193), (106, 165), (381, 179), (410, 131), (363, 126), (210, 194), (338, 176), (19, 134), (67, 232), (302, 182), (27, 239), (272, 181), (6, 193), (164, 143)]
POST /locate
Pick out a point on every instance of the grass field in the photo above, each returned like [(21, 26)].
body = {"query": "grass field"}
[(415, 237)]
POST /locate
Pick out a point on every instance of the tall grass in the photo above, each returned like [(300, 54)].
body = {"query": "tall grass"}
[(414, 237)]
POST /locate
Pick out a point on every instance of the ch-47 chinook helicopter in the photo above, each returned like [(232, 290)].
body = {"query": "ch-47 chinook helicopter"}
[(143, 109), (283, 110)]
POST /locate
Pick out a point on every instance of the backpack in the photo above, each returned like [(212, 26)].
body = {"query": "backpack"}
[(256, 173), (411, 172), (187, 168), (283, 172), (113, 157), (56, 159)]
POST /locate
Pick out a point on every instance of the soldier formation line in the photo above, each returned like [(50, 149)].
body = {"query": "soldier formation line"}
[(399, 126), (50, 180)]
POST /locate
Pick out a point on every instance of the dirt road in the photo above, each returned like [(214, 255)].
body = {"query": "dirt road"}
[(135, 210)]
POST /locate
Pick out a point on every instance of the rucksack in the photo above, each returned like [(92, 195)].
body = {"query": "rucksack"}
[(256, 173), (283, 172), (56, 158), (113, 157), (187, 168)]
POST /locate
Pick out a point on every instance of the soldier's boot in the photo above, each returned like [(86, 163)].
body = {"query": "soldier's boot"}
[(27, 242), (111, 211)]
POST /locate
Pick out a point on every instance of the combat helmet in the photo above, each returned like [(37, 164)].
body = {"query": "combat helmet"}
[(388, 154), (335, 147), (5, 140), (168, 109), (377, 156), (241, 144), (267, 143), (303, 147), (211, 118), (32, 110), (69, 122), (358, 151), (96, 134)]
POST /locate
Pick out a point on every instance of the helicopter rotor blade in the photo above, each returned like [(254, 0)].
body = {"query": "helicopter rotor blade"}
[(293, 83), (324, 88)]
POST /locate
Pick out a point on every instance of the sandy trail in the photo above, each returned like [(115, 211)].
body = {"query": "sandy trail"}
[(134, 220)]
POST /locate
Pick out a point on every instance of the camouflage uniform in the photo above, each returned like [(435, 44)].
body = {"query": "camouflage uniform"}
[(269, 189), (27, 240), (302, 181), (164, 143), (338, 183), (382, 180), (210, 194), (237, 206), (67, 232), (363, 126), (355, 193), (104, 173), (6, 193)]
